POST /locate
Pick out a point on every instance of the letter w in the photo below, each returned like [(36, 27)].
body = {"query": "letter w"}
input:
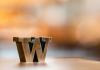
[(31, 49)]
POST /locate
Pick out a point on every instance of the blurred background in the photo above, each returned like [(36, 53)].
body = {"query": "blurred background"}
[(74, 26)]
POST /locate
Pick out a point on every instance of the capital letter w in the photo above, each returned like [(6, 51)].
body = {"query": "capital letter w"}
[(31, 49)]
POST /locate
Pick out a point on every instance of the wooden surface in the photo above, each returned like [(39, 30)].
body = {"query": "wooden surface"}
[(51, 64)]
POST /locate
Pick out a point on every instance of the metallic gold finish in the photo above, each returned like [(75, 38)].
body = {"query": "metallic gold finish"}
[(32, 49)]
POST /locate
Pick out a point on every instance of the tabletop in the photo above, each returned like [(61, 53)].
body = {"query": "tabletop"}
[(51, 64)]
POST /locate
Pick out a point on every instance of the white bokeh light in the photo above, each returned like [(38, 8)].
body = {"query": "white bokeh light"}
[(56, 15)]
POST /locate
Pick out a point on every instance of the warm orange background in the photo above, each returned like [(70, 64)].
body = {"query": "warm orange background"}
[(81, 25)]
